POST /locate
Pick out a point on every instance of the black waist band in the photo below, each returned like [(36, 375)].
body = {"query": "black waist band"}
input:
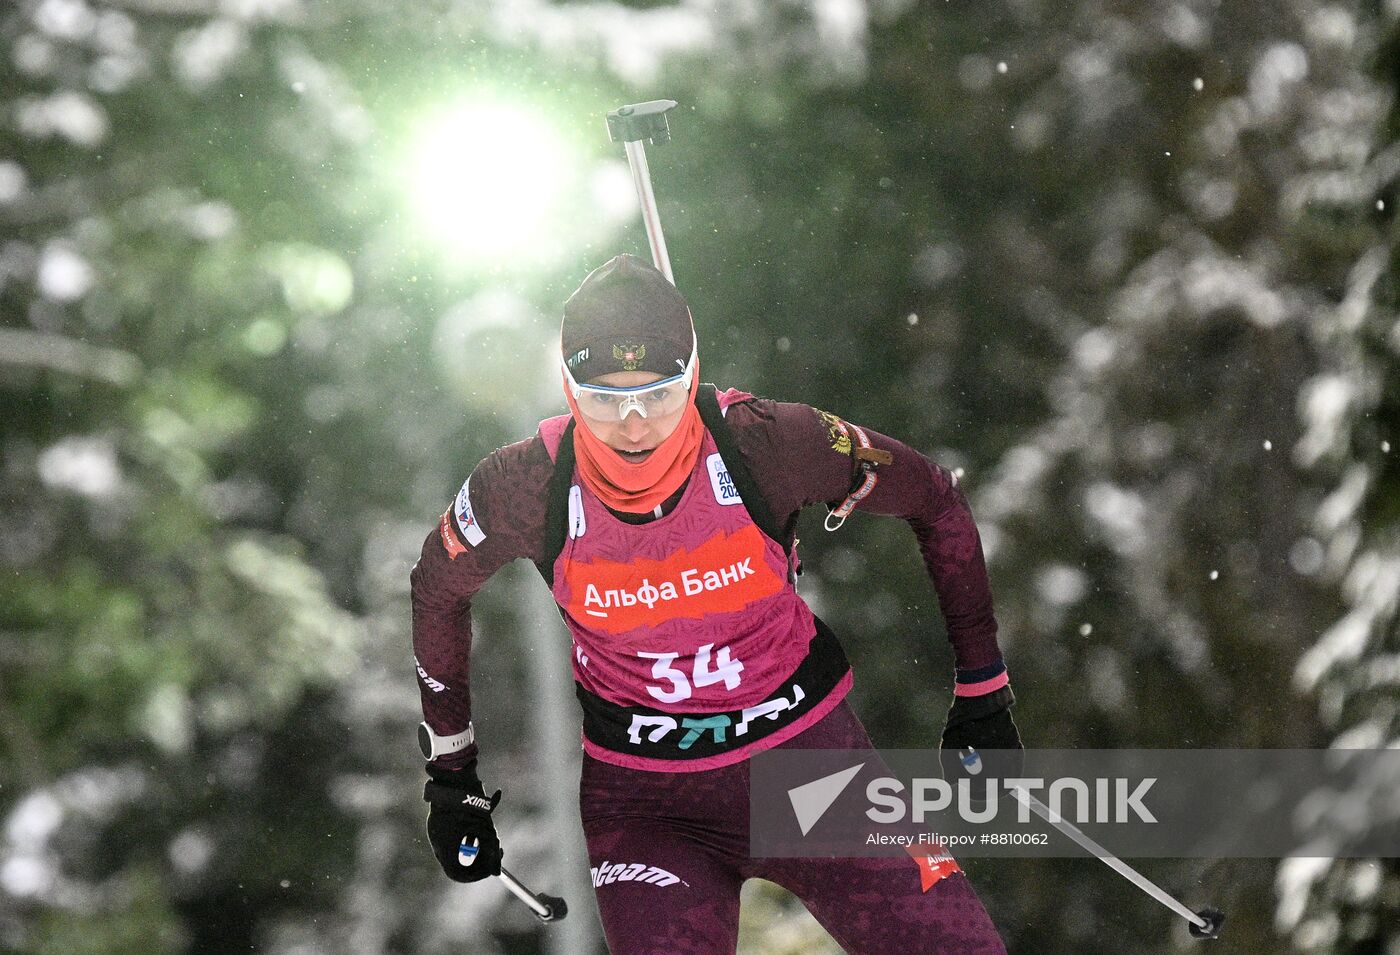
[(664, 734)]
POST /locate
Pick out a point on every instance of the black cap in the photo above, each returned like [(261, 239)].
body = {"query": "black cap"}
[(626, 316)]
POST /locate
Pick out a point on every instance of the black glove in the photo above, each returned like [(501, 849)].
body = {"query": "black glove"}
[(982, 723), (458, 809)]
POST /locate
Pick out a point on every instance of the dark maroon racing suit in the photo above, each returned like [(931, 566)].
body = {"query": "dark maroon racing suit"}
[(664, 794)]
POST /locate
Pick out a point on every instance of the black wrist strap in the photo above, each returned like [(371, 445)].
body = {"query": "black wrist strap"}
[(462, 778)]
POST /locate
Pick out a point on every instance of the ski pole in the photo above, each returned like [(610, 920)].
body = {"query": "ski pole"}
[(631, 125), (547, 908), (1203, 924)]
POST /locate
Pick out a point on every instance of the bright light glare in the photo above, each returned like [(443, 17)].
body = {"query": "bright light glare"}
[(487, 179)]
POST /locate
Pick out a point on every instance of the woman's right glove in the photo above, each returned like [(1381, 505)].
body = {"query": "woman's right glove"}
[(460, 828), (982, 723)]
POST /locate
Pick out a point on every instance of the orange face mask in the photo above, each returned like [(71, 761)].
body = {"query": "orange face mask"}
[(637, 488)]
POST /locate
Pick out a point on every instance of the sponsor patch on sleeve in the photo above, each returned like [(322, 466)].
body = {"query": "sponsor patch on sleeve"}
[(934, 866), (836, 432), (466, 521), (450, 542)]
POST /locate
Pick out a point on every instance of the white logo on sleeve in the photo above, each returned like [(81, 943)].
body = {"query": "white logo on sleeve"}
[(606, 873), (725, 491), (466, 520), (435, 685)]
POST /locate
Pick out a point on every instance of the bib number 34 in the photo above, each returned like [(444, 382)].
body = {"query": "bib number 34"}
[(703, 673)]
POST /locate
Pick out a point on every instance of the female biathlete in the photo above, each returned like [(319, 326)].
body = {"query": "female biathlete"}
[(662, 515)]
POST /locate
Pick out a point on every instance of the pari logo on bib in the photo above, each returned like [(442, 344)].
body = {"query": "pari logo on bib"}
[(724, 574)]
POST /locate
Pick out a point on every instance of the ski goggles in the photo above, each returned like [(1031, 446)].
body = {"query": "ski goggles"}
[(604, 404)]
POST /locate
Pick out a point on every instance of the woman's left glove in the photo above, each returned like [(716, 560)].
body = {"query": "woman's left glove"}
[(460, 828), (982, 723)]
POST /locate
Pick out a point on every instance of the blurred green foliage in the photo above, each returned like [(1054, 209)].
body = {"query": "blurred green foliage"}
[(1129, 266)]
